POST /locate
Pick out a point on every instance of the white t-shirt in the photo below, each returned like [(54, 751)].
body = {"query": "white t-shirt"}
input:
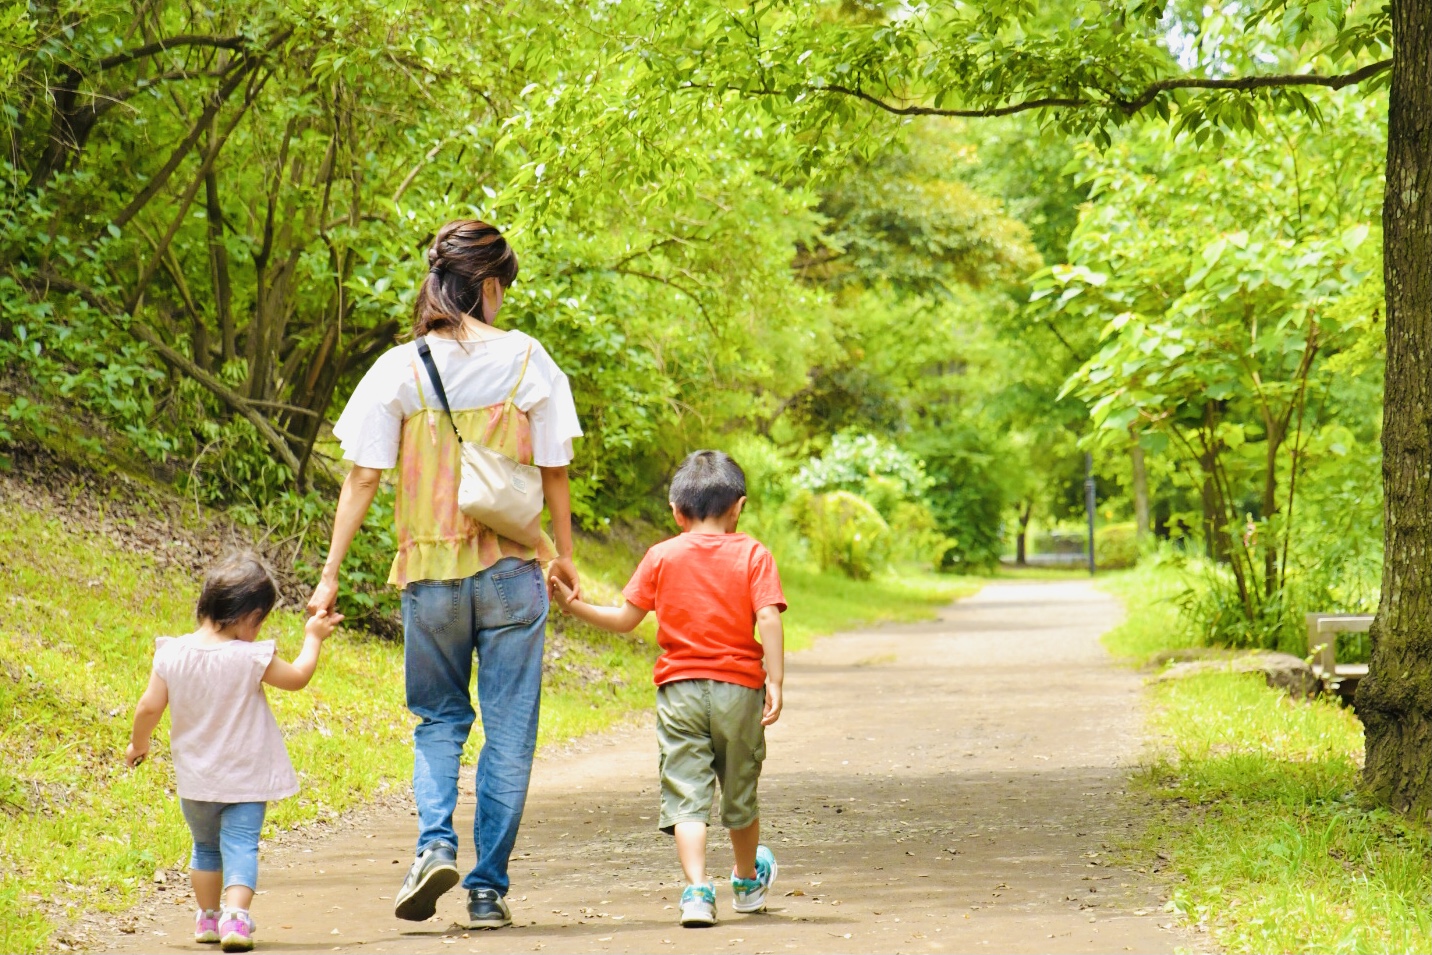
[(475, 374)]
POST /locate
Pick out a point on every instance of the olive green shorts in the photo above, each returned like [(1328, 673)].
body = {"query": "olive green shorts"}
[(709, 731)]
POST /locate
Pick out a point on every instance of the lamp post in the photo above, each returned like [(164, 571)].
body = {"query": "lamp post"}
[(1089, 504)]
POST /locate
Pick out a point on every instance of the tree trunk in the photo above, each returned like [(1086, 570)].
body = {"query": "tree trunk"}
[(1020, 557), (219, 266), (1141, 491), (1395, 699)]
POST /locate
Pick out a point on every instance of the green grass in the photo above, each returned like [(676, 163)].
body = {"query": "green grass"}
[(78, 618), (1151, 622), (1257, 812)]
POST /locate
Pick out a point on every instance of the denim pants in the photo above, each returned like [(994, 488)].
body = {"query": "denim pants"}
[(226, 838), (499, 616)]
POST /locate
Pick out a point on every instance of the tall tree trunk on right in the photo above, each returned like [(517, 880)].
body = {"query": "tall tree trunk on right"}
[(1141, 491), (1395, 699)]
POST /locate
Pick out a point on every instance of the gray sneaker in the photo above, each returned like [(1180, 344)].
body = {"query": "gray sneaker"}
[(487, 909), (698, 906), (432, 874)]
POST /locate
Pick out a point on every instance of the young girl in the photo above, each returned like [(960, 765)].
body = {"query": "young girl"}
[(228, 753)]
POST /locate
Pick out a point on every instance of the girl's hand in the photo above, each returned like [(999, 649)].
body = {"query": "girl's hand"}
[(133, 755), (322, 624)]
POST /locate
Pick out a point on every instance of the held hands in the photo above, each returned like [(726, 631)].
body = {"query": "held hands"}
[(564, 595), (322, 624), (325, 597), (133, 755), (773, 704), (564, 571)]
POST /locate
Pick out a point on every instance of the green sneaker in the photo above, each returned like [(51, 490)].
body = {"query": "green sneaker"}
[(698, 906), (751, 893)]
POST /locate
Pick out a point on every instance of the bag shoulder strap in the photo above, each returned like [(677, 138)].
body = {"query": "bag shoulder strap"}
[(426, 354)]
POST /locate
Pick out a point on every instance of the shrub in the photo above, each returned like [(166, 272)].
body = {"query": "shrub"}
[(768, 516), (853, 461), (1215, 612), (1116, 546), (916, 537), (845, 532), (969, 491)]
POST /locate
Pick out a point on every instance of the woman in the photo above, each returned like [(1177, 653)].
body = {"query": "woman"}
[(466, 590)]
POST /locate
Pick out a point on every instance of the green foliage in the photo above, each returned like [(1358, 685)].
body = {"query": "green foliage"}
[(1226, 330), (1116, 546), (1151, 623), (846, 533), (968, 494), (1256, 810), (864, 463)]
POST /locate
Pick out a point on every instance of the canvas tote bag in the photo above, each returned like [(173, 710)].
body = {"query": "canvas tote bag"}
[(496, 491)]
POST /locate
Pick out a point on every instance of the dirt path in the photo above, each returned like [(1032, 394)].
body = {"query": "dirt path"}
[(946, 786)]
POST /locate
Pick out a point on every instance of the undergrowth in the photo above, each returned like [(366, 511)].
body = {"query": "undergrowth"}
[(1257, 807), (1151, 623)]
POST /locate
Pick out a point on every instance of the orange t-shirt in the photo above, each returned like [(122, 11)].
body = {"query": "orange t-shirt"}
[(706, 589)]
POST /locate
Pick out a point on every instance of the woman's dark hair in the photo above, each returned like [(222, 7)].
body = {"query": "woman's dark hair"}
[(706, 485), (464, 254), (235, 587)]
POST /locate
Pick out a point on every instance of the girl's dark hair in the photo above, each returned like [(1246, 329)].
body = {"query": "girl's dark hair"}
[(707, 484), (235, 587), (464, 254)]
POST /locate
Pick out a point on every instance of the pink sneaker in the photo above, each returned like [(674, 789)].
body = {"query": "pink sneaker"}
[(206, 925), (236, 931)]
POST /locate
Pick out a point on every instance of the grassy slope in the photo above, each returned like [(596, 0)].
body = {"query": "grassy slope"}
[(77, 623), (1258, 810)]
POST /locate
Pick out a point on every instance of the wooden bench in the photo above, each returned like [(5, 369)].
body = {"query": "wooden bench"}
[(1323, 630)]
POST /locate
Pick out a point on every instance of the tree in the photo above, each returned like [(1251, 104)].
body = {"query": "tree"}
[(1089, 74), (1218, 281)]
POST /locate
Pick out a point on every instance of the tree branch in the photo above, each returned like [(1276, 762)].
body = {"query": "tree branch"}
[(160, 178), (211, 109), (1129, 106), (235, 43)]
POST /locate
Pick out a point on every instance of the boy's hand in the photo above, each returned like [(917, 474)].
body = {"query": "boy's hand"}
[(133, 755), (322, 624), (564, 595), (563, 571), (773, 704)]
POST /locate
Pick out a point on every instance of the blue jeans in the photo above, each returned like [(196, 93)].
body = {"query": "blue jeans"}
[(226, 838), (500, 615)]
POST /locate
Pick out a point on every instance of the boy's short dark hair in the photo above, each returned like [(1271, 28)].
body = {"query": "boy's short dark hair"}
[(707, 484), (235, 587)]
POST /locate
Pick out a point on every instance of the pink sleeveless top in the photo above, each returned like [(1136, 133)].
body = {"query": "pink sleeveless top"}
[(223, 737)]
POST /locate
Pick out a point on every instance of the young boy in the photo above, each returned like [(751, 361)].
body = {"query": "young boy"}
[(709, 587)]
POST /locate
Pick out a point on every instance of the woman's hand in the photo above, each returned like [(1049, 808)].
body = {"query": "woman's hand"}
[(564, 570), (325, 597)]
